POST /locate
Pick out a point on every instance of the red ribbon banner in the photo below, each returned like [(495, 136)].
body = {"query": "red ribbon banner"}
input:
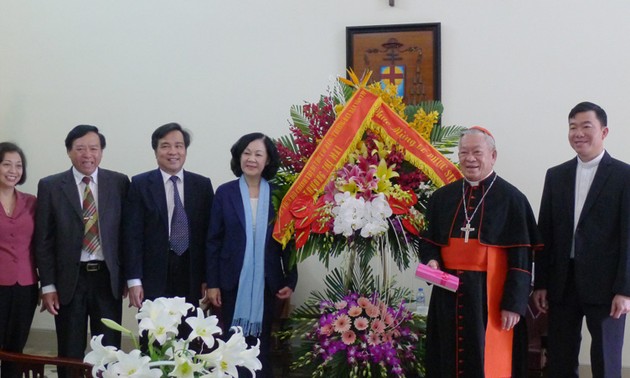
[(364, 110)]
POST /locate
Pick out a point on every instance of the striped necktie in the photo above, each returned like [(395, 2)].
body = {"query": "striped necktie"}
[(91, 241)]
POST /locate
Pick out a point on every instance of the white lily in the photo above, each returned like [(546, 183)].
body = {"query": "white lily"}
[(176, 307), (232, 354), (131, 365), (100, 355), (222, 361), (185, 367), (173, 358), (250, 358), (203, 327), (159, 327), (176, 346), (149, 309)]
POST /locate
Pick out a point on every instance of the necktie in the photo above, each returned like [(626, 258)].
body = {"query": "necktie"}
[(179, 222), (91, 240)]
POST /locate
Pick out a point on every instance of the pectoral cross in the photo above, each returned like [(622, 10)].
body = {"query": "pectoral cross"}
[(467, 230)]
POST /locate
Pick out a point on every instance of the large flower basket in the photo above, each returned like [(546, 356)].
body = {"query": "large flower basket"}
[(357, 171)]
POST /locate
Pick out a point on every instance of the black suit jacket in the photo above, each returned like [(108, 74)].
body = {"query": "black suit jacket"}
[(59, 229), (226, 245), (602, 236), (146, 233)]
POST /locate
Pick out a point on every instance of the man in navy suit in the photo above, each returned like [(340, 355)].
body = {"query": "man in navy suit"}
[(81, 279), (584, 268), (163, 256)]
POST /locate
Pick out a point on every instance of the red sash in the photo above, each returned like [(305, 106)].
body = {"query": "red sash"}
[(493, 260)]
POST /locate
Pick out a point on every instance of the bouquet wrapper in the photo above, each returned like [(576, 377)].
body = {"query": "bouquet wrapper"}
[(437, 277)]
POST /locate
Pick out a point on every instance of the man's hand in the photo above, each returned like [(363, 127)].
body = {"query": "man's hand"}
[(620, 306), (214, 296), (136, 296), (50, 302), (284, 293), (433, 264), (540, 300), (509, 319)]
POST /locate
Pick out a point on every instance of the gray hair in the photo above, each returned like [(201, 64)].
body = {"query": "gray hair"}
[(487, 136)]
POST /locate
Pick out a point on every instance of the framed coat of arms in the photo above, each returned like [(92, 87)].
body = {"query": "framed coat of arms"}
[(407, 55)]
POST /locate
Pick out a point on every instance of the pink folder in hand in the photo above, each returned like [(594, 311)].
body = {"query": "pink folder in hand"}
[(437, 277)]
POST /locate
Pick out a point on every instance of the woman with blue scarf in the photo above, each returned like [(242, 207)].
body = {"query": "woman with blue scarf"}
[(245, 267)]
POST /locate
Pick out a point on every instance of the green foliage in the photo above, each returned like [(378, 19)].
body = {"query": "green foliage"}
[(444, 138), (427, 106), (299, 119), (327, 246)]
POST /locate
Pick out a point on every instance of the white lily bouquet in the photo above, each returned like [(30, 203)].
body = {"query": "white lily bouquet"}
[(168, 355)]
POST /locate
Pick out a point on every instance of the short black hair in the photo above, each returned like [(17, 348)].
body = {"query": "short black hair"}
[(587, 107), (6, 147), (161, 132), (237, 149), (79, 132)]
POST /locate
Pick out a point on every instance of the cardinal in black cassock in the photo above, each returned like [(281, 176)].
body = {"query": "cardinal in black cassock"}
[(481, 229)]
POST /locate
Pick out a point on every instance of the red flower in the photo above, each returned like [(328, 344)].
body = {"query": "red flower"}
[(302, 207), (401, 206), (410, 227), (322, 222), (301, 236)]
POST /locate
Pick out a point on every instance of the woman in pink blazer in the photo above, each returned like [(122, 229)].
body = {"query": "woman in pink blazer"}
[(18, 280)]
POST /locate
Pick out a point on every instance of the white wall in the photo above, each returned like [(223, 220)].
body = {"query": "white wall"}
[(224, 68)]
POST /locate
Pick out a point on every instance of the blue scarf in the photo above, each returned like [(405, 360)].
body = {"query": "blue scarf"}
[(248, 312)]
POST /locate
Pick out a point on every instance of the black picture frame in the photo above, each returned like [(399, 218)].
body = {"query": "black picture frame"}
[(409, 50)]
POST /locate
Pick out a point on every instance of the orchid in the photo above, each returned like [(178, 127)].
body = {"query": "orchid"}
[(349, 214), (170, 356)]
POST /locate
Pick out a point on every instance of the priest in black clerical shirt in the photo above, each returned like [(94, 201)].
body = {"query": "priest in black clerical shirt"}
[(481, 229)]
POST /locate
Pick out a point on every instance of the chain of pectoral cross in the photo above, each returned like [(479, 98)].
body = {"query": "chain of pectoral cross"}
[(467, 228)]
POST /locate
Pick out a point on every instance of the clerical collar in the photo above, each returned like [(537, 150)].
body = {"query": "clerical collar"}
[(592, 163), (476, 183)]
